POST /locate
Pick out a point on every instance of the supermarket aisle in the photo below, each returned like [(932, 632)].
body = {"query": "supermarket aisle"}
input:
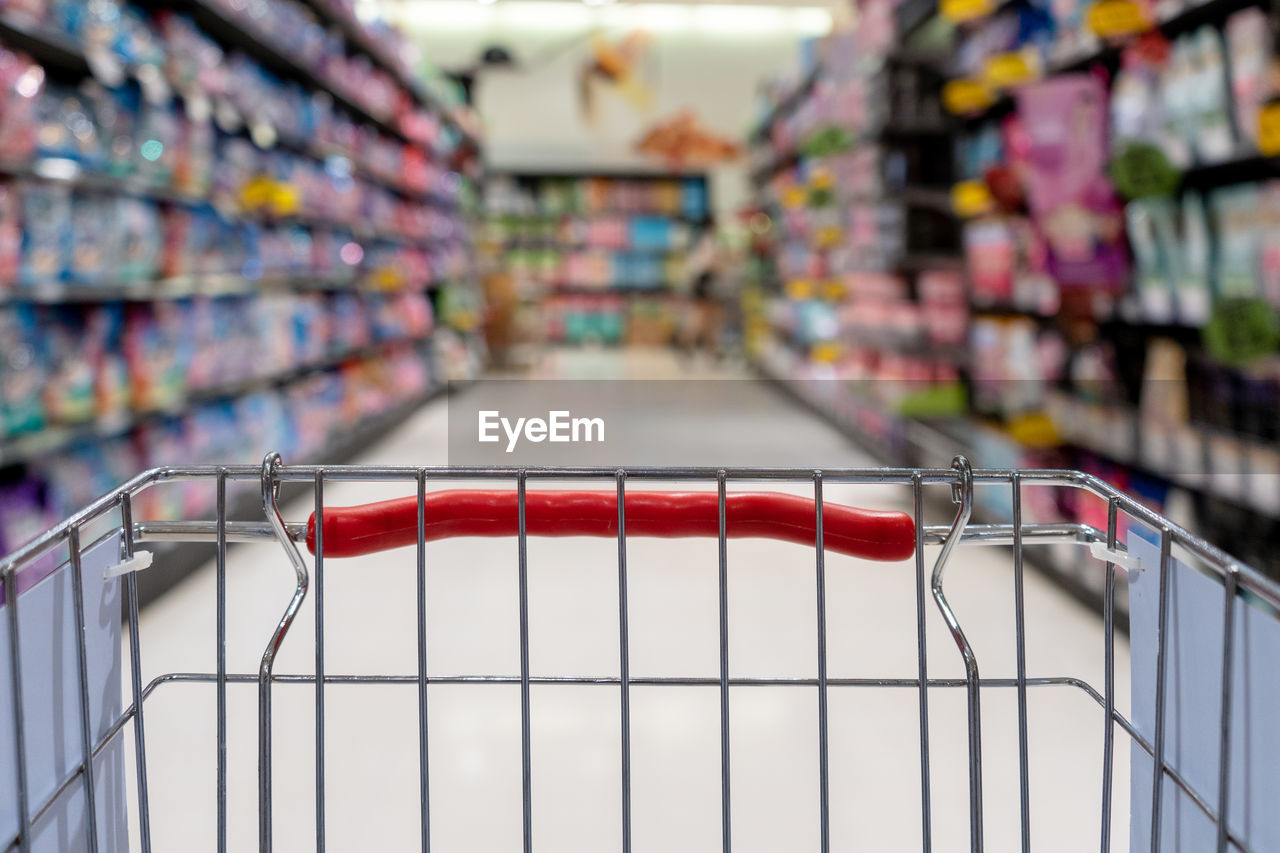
[(372, 780)]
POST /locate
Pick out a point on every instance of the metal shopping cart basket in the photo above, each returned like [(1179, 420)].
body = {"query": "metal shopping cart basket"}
[(1202, 733)]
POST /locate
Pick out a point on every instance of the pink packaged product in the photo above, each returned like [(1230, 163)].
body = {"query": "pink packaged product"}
[(21, 82), (1071, 200), (10, 234)]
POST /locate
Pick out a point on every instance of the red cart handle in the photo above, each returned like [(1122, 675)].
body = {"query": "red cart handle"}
[(367, 529)]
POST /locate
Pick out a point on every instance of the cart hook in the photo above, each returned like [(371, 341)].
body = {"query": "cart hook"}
[(271, 508)]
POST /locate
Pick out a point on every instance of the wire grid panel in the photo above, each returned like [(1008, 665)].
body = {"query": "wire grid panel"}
[(1238, 582)]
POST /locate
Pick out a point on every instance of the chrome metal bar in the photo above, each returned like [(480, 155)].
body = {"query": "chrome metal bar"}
[(270, 507), (824, 800), (1228, 680), (19, 716), (624, 662), (926, 806), (207, 531), (637, 681), (135, 678), (82, 672), (424, 764), (963, 493), (726, 824), (1109, 684), (1162, 667), (526, 759), (1020, 632), (221, 652), (318, 563)]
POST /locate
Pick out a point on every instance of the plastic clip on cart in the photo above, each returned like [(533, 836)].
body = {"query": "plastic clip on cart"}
[(76, 684)]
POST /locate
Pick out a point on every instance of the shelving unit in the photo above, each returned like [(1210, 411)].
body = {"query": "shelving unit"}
[(28, 448), (1217, 471), (858, 272), (595, 257), (404, 233)]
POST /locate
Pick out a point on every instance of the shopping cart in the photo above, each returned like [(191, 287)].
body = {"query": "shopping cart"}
[(716, 508)]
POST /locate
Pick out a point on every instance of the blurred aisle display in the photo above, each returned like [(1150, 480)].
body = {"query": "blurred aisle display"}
[(594, 258), (1041, 234), (223, 229)]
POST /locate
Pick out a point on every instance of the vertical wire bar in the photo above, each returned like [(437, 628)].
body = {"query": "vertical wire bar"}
[(926, 808), (1109, 688), (1020, 630), (824, 800), (221, 652), (19, 725), (525, 751), (140, 739), (726, 826), (319, 572), (624, 663), (424, 782), (1162, 667), (1224, 743), (86, 715), (135, 676), (302, 580)]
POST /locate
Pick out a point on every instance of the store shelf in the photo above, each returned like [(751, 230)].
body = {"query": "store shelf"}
[(186, 287), (21, 449), (57, 52), (53, 50), (585, 215), (358, 39), (69, 174), (237, 35), (176, 560), (892, 131), (1008, 309), (792, 100), (1241, 170), (613, 290), (870, 339), (1108, 53), (588, 248)]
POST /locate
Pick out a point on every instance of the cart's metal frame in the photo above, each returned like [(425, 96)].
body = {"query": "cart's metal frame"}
[(1237, 580)]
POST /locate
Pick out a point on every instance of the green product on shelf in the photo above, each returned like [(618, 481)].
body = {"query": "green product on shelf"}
[(946, 400), (1141, 170), (1242, 330), (827, 140)]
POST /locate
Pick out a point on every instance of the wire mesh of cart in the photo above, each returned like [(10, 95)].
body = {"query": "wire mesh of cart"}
[(89, 563)]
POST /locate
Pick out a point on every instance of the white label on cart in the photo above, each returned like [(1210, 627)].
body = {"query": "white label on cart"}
[(51, 706), (558, 427), (1193, 709)]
